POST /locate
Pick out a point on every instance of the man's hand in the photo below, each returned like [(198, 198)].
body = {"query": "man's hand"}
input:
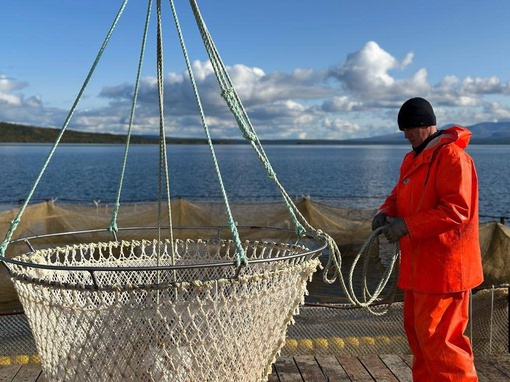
[(395, 230), (379, 220)]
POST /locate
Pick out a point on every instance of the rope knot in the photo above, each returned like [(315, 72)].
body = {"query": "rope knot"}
[(249, 136), (227, 93)]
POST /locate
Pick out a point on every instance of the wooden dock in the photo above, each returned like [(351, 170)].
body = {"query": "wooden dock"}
[(387, 368)]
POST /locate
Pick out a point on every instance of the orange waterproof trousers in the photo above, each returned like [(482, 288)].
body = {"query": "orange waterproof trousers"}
[(434, 324)]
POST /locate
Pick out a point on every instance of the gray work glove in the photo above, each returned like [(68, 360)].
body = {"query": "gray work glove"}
[(378, 221), (395, 230)]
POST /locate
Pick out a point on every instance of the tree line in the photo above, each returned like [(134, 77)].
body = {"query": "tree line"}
[(15, 133)]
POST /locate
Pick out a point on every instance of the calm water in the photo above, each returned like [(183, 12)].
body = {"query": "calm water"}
[(353, 176), (350, 176)]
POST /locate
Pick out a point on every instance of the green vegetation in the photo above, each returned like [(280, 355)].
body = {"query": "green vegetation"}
[(14, 133)]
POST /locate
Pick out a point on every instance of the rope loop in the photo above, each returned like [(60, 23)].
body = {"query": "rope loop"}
[(333, 272)]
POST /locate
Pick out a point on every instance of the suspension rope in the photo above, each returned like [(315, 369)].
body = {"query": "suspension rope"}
[(113, 223), (234, 103), (15, 222), (332, 270), (240, 258), (164, 176)]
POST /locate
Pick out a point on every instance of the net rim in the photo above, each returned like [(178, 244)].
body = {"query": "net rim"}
[(308, 253), (181, 285)]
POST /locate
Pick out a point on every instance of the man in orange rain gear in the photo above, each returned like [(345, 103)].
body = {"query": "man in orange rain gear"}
[(433, 212)]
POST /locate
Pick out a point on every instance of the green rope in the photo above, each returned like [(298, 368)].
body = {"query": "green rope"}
[(335, 260), (15, 222), (113, 223), (236, 107), (246, 127), (241, 258), (163, 168)]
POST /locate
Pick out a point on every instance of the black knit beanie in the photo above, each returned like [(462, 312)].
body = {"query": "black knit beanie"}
[(416, 112)]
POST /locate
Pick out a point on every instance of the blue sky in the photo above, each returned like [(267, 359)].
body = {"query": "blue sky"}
[(325, 69)]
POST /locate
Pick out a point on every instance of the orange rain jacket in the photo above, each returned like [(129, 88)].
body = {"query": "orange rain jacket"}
[(437, 195)]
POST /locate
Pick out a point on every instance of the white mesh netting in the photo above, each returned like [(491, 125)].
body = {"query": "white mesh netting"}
[(196, 323)]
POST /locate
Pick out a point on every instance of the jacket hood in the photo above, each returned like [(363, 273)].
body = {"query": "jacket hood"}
[(458, 135)]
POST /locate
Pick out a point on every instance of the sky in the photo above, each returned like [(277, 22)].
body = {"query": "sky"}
[(326, 69)]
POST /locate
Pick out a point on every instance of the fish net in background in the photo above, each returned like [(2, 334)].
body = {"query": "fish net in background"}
[(17, 345), (345, 330)]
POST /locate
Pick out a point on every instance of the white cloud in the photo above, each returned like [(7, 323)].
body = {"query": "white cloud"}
[(489, 85), (366, 74), (357, 98), (7, 89), (340, 103), (338, 128), (16, 107), (10, 99), (8, 85), (408, 59)]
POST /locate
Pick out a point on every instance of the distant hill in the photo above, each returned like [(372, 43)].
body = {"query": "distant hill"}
[(483, 133), (14, 133), (494, 131)]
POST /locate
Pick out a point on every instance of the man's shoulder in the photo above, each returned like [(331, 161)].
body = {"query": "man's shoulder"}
[(451, 150)]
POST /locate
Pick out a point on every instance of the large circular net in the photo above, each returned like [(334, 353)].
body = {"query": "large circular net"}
[(139, 311)]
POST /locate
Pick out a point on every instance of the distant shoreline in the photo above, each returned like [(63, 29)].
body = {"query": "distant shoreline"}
[(21, 134), (178, 141)]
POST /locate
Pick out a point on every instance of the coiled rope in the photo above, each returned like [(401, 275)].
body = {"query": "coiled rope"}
[(367, 299)]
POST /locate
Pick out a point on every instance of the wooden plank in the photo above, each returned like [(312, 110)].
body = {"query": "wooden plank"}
[(332, 368), (408, 359), (487, 371), (338, 368), (398, 367), (377, 368), (8, 372), (273, 377), (42, 378), (287, 370), (309, 368), (482, 377), (354, 369), (502, 363), (28, 373)]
